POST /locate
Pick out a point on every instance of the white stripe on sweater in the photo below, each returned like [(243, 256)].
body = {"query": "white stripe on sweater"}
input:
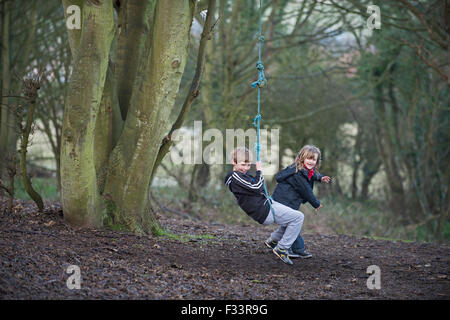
[(248, 184)]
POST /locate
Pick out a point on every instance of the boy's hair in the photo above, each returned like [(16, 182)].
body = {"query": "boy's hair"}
[(307, 152), (241, 154)]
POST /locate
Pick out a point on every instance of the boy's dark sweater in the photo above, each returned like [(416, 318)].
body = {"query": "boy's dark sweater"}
[(249, 193), (295, 188)]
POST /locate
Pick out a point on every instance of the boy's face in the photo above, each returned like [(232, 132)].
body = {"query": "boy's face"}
[(241, 166), (311, 161)]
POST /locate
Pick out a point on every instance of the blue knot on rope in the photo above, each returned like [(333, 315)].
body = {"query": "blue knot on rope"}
[(259, 66), (261, 82), (256, 120)]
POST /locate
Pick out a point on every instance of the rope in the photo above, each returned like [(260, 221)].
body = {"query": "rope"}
[(261, 82)]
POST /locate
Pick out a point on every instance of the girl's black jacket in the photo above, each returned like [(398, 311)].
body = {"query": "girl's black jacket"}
[(294, 188), (249, 193)]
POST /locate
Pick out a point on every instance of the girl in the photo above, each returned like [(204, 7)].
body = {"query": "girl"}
[(295, 186)]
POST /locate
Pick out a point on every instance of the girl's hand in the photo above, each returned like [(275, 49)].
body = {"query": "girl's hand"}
[(317, 209), (326, 179), (258, 165)]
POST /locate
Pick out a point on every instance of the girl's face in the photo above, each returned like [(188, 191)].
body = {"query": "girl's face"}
[(311, 161)]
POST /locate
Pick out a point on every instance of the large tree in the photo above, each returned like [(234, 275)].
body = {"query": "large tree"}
[(125, 78)]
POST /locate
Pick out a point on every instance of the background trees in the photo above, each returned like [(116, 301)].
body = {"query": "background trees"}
[(374, 101)]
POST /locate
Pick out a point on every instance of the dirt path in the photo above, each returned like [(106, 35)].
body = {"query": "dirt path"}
[(221, 262)]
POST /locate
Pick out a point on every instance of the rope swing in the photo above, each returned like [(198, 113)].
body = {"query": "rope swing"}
[(260, 83)]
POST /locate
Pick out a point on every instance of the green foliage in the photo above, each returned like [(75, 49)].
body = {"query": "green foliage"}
[(342, 215), (109, 209), (184, 237), (118, 227), (368, 218), (46, 187), (425, 233), (446, 231)]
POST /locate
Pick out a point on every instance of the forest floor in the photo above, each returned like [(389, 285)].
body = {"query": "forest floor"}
[(205, 261)]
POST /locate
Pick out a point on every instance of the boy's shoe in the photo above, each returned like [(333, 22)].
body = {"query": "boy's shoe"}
[(282, 254), (270, 243)]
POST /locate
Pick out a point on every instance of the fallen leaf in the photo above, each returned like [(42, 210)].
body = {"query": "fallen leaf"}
[(50, 223)]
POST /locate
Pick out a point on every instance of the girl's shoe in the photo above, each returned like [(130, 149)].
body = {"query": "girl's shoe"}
[(293, 254), (303, 254)]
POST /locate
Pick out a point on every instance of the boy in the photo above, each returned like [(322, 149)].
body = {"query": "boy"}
[(250, 196)]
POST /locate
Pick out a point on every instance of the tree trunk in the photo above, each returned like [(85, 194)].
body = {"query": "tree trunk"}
[(153, 96), (109, 124), (193, 91), (356, 163), (90, 50), (23, 154), (106, 163), (7, 115), (370, 168), (387, 154), (135, 21), (9, 132)]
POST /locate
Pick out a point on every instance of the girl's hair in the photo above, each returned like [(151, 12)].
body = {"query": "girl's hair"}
[(241, 154), (307, 152)]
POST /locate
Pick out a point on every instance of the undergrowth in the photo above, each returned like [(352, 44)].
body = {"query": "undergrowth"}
[(340, 215)]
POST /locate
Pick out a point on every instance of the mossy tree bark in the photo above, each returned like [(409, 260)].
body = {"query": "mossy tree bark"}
[(117, 107), (155, 89), (90, 47), (7, 122), (194, 89)]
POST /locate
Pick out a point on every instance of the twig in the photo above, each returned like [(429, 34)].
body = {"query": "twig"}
[(343, 103), (2, 186), (21, 97), (420, 16)]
